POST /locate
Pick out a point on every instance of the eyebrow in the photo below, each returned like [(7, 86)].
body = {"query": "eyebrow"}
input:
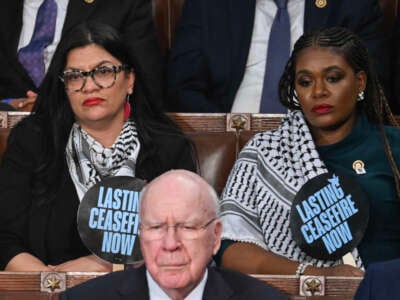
[(325, 70), (98, 65), (186, 221)]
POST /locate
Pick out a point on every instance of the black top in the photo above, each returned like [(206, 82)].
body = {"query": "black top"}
[(45, 226)]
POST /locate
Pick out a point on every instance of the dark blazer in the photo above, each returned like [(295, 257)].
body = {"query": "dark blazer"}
[(381, 281), (132, 284), (132, 17), (45, 226), (212, 42)]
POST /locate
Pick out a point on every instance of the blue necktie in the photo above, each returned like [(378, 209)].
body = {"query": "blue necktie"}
[(31, 56), (278, 54)]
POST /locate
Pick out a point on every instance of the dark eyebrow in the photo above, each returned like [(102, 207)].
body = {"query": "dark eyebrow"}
[(96, 66), (303, 72), (332, 68), (325, 70)]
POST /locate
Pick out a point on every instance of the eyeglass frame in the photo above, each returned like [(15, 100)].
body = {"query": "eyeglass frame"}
[(165, 227), (86, 74)]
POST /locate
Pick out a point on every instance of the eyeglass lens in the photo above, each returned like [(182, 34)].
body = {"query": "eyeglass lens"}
[(104, 76)]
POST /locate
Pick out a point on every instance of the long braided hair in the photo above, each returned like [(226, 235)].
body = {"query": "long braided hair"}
[(352, 49)]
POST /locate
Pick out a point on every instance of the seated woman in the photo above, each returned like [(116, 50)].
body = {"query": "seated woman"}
[(337, 116), (82, 130)]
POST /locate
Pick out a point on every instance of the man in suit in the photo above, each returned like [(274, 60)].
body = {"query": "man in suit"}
[(218, 58), (179, 233), (17, 18), (381, 281)]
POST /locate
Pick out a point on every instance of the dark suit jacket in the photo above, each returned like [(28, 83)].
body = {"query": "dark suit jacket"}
[(45, 225), (132, 17), (132, 284), (381, 281), (213, 38)]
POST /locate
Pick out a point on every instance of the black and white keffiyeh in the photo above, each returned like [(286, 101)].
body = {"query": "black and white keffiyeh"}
[(270, 170), (88, 161)]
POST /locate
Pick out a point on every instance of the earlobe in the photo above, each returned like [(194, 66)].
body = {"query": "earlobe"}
[(131, 82), (362, 80), (217, 232)]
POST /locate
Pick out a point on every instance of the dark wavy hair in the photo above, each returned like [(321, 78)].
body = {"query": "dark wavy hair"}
[(348, 45), (53, 114)]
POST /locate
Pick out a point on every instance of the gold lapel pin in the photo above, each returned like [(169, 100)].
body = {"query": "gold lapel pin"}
[(358, 166), (89, 1), (320, 3)]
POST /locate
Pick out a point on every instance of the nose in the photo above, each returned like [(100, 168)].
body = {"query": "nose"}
[(89, 85), (319, 89), (171, 240)]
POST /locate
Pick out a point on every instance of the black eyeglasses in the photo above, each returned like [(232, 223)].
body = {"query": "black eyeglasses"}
[(103, 76)]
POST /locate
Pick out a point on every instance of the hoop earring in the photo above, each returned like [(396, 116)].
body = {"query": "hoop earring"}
[(360, 96), (127, 107)]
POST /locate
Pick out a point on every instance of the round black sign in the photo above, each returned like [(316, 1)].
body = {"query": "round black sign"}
[(329, 216), (108, 219)]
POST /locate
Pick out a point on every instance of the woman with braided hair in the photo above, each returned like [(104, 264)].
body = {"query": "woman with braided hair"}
[(338, 115)]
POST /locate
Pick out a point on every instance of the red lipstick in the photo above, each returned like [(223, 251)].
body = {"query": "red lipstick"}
[(92, 101), (322, 108)]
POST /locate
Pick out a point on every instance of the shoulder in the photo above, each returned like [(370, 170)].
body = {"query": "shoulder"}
[(25, 136), (389, 268), (393, 133), (163, 139), (109, 286), (244, 286), (347, 6), (261, 143), (393, 136), (28, 126), (381, 281), (171, 144)]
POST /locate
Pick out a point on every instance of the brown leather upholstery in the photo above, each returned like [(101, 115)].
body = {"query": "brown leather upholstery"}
[(244, 137), (3, 140), (217, 153)]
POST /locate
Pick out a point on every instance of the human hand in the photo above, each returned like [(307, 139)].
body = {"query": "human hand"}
[(24, 262), (24, 104), (90, 263)]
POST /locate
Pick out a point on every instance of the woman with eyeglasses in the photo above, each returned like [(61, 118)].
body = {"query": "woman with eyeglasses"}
[(87, 124)]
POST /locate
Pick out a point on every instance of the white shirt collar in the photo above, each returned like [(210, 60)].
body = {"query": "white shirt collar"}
[(157, 293)]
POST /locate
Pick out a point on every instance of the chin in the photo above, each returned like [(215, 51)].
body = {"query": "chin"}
[(325, 123), (174, 281), (97, 117)]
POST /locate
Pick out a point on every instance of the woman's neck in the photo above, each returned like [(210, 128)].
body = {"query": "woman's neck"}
[(105, 134), (329, 136)]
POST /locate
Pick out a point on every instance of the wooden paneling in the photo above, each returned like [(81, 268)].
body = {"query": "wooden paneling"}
[(15, 285)]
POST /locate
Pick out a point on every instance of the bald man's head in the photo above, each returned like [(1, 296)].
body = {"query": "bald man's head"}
[(179, 181), (179, 230)]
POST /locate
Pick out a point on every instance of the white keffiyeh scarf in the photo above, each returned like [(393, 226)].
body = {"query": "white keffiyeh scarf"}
[(88, 161), (257, 199)]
